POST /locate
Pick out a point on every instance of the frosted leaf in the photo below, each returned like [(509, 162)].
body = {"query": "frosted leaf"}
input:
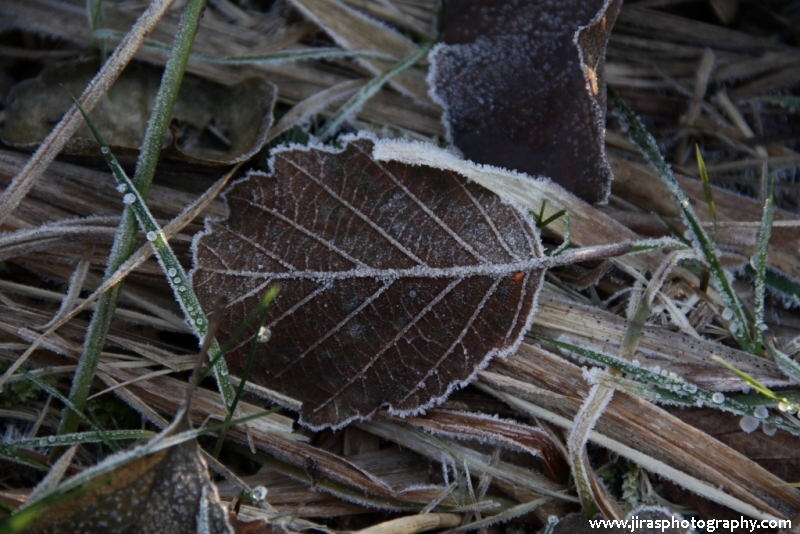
[(761, 412), (398, 282), (523, 87), (168, 491), (718, 398), (129, 198)]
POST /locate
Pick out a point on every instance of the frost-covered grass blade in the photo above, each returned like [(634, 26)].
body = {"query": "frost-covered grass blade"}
[(671, 388), (67, 403), (76, 439), (761, 264), (176, 275), (702, 242), (787, 364), (124, 240)]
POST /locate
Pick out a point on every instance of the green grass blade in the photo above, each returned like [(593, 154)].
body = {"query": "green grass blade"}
[(124, 240), (68, 404), (176, 275), (642, 138), (701, 165), (365, 93), (20, 458), (672, 388), (790, 367), (262, 307), (761, 264), (752, 382), (78, 438), (779, 282), (792, 103)]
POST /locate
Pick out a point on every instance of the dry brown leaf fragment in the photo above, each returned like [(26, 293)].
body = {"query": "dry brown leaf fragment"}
[(217, 125)]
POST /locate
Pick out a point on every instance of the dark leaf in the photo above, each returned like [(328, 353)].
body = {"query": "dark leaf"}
[(523, 87), (398, 282), (168, 491), (215, 124)]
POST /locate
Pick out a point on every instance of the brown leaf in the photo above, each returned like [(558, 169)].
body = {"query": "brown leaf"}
[(523, 87), (242, 113), (168, 491), (398, 282)]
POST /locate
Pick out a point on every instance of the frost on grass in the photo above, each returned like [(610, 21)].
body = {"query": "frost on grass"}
[(523, 87), (398, 282)]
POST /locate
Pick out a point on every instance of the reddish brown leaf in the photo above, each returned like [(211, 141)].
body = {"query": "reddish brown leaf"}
[(398, 282), (523, 87)]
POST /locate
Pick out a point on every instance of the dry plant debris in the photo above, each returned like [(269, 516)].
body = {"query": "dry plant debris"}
[(535, 433)]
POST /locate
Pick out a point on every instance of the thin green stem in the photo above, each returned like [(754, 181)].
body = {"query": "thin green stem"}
[(124, 240)]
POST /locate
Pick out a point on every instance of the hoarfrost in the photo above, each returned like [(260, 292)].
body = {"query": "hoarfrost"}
[(361, 264), (503, 75), (718, 398), (129, 198)]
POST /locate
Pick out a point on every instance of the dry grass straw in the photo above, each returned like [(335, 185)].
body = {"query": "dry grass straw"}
[(669, 68)]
